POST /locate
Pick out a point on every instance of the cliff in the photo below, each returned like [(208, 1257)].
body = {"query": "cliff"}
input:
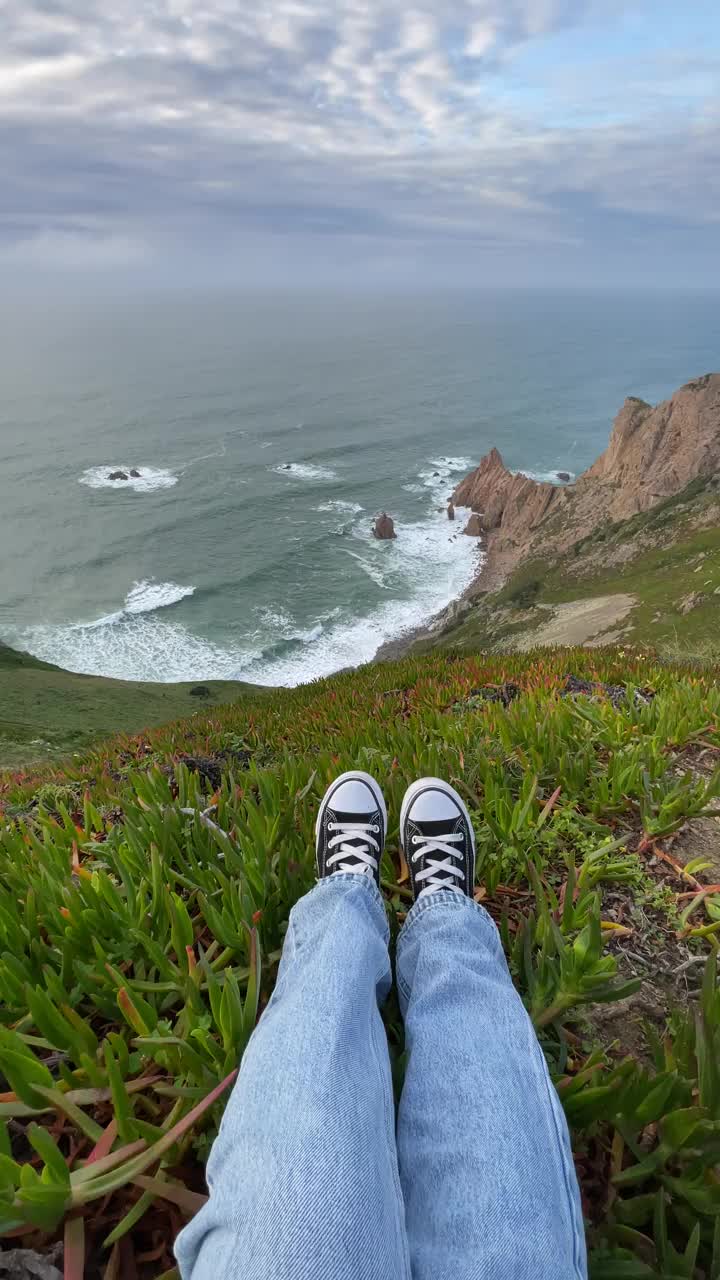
[(653, 453)]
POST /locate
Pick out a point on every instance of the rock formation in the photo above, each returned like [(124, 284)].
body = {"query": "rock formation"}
[(653, 453), (564, 476), (384, 527), (134, 474), (473, 528), (118, 475), (450, 511)]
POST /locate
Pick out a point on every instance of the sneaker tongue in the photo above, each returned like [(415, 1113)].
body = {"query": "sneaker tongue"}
[(341, 818), (438, 828)]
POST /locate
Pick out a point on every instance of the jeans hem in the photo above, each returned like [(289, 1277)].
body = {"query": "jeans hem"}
[(445, 900), (343, 881)]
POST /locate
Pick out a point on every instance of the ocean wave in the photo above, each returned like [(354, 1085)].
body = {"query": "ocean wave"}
[(427, 560), (150, 478), (416, 575), (304, 471), (452, 464), (143, 597), (373, 571), (351, 508), (136, 647), (436, 477)]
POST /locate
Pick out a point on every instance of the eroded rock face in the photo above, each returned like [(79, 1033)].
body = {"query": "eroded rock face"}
[(384, 527), (473, 528), (652, 454)]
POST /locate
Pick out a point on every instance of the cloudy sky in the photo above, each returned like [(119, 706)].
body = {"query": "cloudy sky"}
[(468, 141)]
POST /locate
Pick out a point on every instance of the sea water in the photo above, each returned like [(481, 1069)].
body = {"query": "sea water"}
[(268, 433)]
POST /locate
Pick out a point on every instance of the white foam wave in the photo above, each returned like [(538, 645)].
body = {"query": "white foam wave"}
[(426, 567), (203, 457), (304, 471), (149, 479), (372, 571), (437, 475), (143, 597), (351, 508), (452, 464), (136, 647), (422, 570)]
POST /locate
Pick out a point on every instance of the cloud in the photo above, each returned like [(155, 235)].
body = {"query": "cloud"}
[(133, 133)]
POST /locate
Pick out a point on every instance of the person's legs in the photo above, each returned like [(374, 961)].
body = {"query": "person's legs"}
[(485, 1162), (303, 1175)]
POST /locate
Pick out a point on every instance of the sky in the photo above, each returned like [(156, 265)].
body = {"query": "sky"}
[(494, 142)]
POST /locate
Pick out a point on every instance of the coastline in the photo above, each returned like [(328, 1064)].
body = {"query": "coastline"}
[(486, 580)]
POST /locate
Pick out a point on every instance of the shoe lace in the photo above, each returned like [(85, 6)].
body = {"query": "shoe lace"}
[(438, 873), (354, 843)]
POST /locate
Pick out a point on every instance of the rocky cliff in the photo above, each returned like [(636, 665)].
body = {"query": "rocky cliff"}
[(653, 453)]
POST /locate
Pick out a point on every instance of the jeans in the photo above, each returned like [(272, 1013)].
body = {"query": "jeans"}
[(309, 1177)]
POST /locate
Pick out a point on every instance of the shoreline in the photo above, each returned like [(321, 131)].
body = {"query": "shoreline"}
[(484, 582)]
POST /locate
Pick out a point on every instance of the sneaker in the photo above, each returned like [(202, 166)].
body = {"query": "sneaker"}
[(437, 838), (351, 827)]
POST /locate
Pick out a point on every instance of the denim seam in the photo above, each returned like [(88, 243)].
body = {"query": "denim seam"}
[(569, 1177), (389, 1113)]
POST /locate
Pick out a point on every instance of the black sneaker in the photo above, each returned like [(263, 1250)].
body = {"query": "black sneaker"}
[(351, 826), (437, 838)]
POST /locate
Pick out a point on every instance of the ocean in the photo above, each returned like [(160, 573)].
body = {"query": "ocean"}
[(223, 561)]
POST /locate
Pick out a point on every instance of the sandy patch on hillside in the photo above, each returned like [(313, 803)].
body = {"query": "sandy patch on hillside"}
[(579, 622)]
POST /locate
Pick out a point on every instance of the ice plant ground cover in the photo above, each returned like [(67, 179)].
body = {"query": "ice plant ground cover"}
[(145, 890)]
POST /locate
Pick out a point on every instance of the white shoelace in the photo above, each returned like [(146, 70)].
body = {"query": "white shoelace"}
[(363, 861), (438, 873)]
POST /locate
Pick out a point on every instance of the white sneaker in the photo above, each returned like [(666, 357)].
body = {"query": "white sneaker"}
[(437, 838), (351, 827)]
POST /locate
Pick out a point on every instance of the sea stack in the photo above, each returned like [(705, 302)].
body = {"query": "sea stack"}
[(450, 511), (384, 527)]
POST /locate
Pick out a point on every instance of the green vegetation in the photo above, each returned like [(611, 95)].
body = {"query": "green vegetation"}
[(145, 890), (47, 712)]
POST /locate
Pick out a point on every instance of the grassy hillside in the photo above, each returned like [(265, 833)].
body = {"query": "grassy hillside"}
[(145, 890), (46, 712), (667, 560)]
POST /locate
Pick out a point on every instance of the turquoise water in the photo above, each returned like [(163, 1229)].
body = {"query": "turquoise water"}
[(220, 561)]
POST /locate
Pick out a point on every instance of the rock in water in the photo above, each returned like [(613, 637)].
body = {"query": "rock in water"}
[(384, 527), (118, 475), (563, 475), (135, 474), (450, 511), (473, 528)]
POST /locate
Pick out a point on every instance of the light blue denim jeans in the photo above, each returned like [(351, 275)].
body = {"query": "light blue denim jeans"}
[(310, 1177)]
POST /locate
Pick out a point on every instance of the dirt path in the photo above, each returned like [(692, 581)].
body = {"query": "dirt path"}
[(579, 622)]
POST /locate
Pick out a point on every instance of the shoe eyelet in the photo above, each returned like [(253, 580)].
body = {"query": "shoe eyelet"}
[(375, 827), (331, 826)]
